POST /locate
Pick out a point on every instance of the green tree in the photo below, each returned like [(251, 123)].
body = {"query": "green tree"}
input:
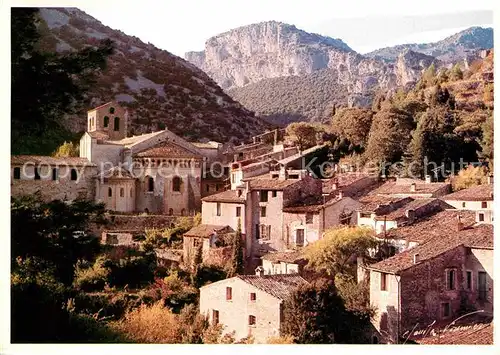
[(469, 177), (315, 314), (237, 262), (302, 134), (67, 149), (429, 76), (337, 250), (487, 138), (46, 86), (456, 73), (389, 135), (353, 124)]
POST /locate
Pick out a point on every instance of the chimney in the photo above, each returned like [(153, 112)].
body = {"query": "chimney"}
[(460, 225), (259, 271), (416, 258), (413, 187), (490, 179), (428, 179), (410, 214), (340, 195)]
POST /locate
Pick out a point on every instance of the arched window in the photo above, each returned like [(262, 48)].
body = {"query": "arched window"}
[(110, 192), (183, 212), (74, 174), (106, 121), (170, 212), (111, 110), (122, 192), (176, 184), (150, 184), (117, 123)]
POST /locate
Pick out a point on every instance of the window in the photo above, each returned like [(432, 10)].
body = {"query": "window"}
[(481, 281), (122, 192), (263, 196), (365, 215), (183, 212), (238, 211), (463, 204), (215, 316), (275, 193), (446, 309), (481, 217), (106, 121), (468, 280), (218, 209), (17, 173), (151, 184), (55, 174), (110, 192), (131, 193), (111, 110), (383, 281), (117, 124), (265, 231), (309, 218), (450, 279), (299, 237), (170, 212), (229, 293), (217, 187), (207, 188), (253, 296), (37, 173), (484, 204), (257, 231), (233, 179), (74, 175), (176, 184), (262, 211), (251, 320), (196, 242)]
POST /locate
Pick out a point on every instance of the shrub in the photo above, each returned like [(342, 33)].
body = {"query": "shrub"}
[(91, 278), (286, 339), (471, 176)]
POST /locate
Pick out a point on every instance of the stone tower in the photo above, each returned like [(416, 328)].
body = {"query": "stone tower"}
[(110, 118)]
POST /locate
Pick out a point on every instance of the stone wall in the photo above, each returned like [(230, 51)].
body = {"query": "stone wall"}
[(218, 256), (122, 197)]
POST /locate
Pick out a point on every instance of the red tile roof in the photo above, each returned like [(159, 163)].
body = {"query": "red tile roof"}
[(429, 205), (167, 150), (371, 203), (207, 230), (228, 196), (475, 193), (117, 172), (479, 236), (270, 184), (287, 257), (99, 135), (39, 159), (312, 204), (399, 188), (279, 286), (103, 105)]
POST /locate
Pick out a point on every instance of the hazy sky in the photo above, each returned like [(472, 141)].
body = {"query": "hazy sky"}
[(184, 25)]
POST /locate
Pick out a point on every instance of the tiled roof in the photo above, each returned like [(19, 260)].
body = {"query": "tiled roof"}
[(39, 159), (99, 135), (228, 196), (475, 193), (439, 224), (270, 184), (131, 141), (301, 154), (395, 188), (279, 286), (371, 202), (312, 204), (479, 236), (205, 145), (103, 105), (117, 172), (343, 179), (414, 205), (477, 334), (288, 257), (206, 230), (167, 149)]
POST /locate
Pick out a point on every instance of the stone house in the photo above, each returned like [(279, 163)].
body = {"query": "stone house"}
[(206, 236), (476, 198), (53, 178), (414, 188), (249, 305), (306, 221), (352, 184), (376, 205), (434, 281)]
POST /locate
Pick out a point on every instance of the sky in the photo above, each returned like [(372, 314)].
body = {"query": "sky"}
[(184, 25)]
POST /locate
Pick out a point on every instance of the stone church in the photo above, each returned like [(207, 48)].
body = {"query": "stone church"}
[(157, 172)]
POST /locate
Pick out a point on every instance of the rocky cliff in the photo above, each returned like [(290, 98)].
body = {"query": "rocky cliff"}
[(159, 89)]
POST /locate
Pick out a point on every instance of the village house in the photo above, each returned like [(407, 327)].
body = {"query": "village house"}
[(211, 239), (288, 262), (477, 198), (352, 184), (249, 305), (52, 178), (414, 188), (448, 271)]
